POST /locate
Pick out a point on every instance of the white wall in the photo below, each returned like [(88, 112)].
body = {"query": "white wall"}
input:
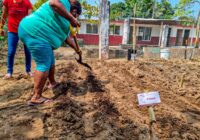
[(174, 31), (155, 29), (83, 27), (155, 32)]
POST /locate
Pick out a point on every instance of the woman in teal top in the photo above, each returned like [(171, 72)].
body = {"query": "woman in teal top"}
[(42, 32)]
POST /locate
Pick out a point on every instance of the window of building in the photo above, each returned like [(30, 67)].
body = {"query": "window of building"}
[(114, 30), (144, 33), (92, 29)]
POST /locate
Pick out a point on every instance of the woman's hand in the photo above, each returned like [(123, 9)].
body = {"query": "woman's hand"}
[(79, 52), (74, 22), (58, 7)]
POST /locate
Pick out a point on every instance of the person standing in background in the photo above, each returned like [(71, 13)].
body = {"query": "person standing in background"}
[(15, 11)]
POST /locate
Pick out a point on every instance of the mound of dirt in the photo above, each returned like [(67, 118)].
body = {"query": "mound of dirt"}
[(102, 104)]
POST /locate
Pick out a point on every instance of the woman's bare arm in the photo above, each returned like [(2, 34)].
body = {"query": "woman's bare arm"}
[(60, 9)]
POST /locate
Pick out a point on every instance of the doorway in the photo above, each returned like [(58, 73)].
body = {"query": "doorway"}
[(179, 38), (168, 37), (186, 37)]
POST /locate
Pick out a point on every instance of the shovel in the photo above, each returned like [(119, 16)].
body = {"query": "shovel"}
[(79, 60)]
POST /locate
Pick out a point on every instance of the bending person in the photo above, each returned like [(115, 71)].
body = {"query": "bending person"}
[(44, 31)]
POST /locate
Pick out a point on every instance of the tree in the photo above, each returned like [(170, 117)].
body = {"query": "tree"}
[(164, 10), (183, 8), (1, 6), (188, 3), (145, 8), (90, 12), (118, 11), (150, 8)]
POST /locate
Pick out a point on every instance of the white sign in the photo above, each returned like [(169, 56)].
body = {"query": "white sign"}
[(150, 98)]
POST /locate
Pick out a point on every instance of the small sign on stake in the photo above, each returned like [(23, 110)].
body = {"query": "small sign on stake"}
[(149, 98)]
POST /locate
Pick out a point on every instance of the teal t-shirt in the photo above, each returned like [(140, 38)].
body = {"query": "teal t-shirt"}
[(47, 25)]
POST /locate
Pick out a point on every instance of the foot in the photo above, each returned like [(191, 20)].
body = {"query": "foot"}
[(7, 76), (39, 101), (53, 85), (30, 74)]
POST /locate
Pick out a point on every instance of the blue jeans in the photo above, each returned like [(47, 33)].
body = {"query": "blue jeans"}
[(12, 46)]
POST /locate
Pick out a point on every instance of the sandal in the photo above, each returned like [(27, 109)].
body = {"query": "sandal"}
[(50, 86), (41, 101), (8, 76), (30, 74)]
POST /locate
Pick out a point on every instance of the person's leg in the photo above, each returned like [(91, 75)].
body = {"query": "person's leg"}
[(12, 46), (28, 60), (51, 75), (39, 82), (41, 53)]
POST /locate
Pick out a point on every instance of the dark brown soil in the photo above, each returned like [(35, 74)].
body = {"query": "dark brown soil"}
[(101, 104)]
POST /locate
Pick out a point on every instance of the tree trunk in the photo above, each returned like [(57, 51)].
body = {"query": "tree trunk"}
[(134, 28), (126, 32), (104, 29), (197, 31), (164, 36)]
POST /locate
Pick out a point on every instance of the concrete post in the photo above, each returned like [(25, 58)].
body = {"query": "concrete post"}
[(126, 32), (104, 29)]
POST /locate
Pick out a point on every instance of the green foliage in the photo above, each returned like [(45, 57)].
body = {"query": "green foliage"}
[(2, 38), (1, 6), (130, 4), (187, 21), (164, 10), (145, 8), (183, 7), (90, 11), (118, 11)]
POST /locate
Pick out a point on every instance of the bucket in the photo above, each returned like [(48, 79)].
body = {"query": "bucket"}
[(131, 54), (165, 54)]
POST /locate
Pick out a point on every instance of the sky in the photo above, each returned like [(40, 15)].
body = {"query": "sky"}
[(195, 8)]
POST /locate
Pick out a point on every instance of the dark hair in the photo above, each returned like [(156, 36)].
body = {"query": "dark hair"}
[(76, 6)]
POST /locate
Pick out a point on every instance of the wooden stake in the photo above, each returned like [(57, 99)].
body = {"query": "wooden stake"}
[(182, 80), (186, 42), (152, 122)]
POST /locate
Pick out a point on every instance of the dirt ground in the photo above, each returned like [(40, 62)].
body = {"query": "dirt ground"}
[(101, 104)]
